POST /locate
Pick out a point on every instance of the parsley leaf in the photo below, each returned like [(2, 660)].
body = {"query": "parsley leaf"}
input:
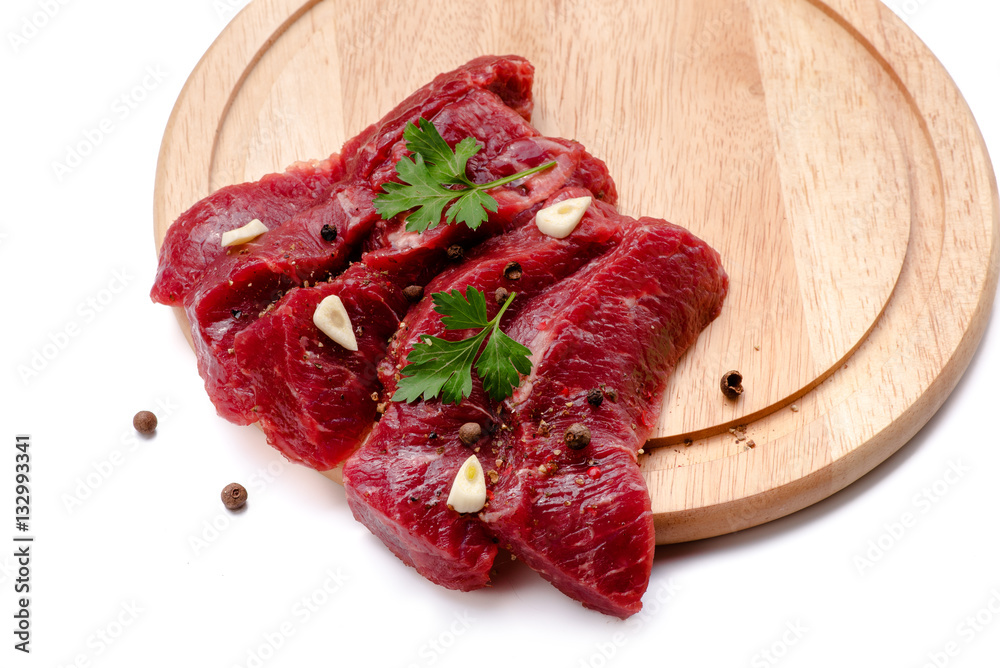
[(460, 311), (424, 193), (422, 138), (436, 366), (499, 364), (434, 177)]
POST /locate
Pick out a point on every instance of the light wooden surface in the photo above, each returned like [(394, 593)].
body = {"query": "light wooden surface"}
[(818, 146)]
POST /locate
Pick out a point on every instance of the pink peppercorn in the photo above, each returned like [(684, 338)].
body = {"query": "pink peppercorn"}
[(594, 472)]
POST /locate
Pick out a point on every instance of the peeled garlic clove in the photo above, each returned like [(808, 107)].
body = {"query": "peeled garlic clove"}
[(331, 318), (560, 219), (241, 235), (468, 492)]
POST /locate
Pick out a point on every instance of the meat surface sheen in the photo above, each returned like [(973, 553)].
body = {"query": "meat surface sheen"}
[(399, 480), (315, 398), (582, 518)]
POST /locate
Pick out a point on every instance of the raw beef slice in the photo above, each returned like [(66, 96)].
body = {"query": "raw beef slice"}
[(193, 241), (244, 284), (315, 398), (582, 518)]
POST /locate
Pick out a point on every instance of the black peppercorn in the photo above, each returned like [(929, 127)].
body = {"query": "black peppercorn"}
[(328, 233), (500, 296), (234, 496), (577, 436), (732, 384), (469, 433), (413, 293), (512, 272), (144, 422), (456, 253), (595, 397)]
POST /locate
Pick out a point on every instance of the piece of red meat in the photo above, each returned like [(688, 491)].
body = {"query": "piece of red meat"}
[(509, 145), (507, 77), (398, 482), (581, 518), (193, 241), (392, 248), (241, 287), (315, 398)]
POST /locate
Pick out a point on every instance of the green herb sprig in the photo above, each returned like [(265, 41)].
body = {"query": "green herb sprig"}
[(441, 367), (434, 177)]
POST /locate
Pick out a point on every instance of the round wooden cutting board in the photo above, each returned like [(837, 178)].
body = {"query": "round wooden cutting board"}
[(820, 147)]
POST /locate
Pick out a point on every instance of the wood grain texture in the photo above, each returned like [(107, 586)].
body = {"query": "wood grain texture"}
[(818, 146)]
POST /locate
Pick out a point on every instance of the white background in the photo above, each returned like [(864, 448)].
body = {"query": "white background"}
[(145, 567)]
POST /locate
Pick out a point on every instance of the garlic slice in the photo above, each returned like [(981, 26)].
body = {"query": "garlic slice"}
[(560, 219), (468, 492), (241, 235), (331, 318)]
